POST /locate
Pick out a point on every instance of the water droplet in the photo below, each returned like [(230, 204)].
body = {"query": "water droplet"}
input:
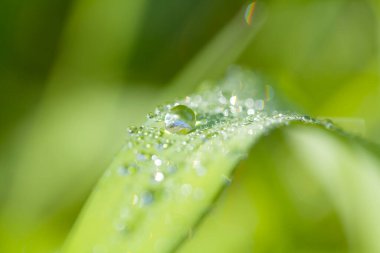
[(147, 198), (141, 157), (120, 225), (306, 118), (222, 99), (132, 130), (249, 103), (156, 160), (180, 120), (226, 180), (172, 169), (251, 111), (127, 170), (158, 176), (150, 115)]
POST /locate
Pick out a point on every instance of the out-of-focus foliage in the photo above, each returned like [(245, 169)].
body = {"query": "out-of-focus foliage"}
[(73, 74)]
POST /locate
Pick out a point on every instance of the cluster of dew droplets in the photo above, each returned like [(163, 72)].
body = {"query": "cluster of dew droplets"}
[(156, 152)]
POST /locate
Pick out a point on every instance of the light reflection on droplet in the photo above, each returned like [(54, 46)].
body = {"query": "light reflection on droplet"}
[(158, 176), (251, 111), (233, 100), (249, 13), (158, 162), (135, 199)]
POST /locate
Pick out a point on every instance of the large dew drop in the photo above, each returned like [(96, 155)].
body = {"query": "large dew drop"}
[(180, 120)]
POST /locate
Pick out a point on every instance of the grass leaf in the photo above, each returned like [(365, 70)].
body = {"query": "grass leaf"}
[(162, 187)]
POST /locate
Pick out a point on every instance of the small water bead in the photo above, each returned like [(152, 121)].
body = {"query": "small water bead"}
[(141, 157), (180, 120), (158, 176), (157, 161), (127, 170), (120, 225), (132, 130), (251, 111), (226, 180), (222, 100), (147, 198), (249, 103), (172, 169), (233, 100)]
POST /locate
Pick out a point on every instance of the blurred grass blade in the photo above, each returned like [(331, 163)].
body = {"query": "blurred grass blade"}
[(161, 187), (81, 104), (222, 51)]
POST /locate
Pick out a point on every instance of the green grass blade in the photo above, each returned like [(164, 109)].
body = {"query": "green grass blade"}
[(160, 189)]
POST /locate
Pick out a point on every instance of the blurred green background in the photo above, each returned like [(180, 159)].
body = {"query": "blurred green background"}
[(74, 74)]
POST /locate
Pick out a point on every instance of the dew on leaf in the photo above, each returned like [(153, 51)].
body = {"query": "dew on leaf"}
[(141, 157), (125, 170), (158, 176), (147, 198), (251, 111), (249, 103), (233, 100), (172, 169), (180, 120), (226, 180), (120, 225)]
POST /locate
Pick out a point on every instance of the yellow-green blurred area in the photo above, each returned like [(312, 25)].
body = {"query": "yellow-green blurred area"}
[(74, 74)]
